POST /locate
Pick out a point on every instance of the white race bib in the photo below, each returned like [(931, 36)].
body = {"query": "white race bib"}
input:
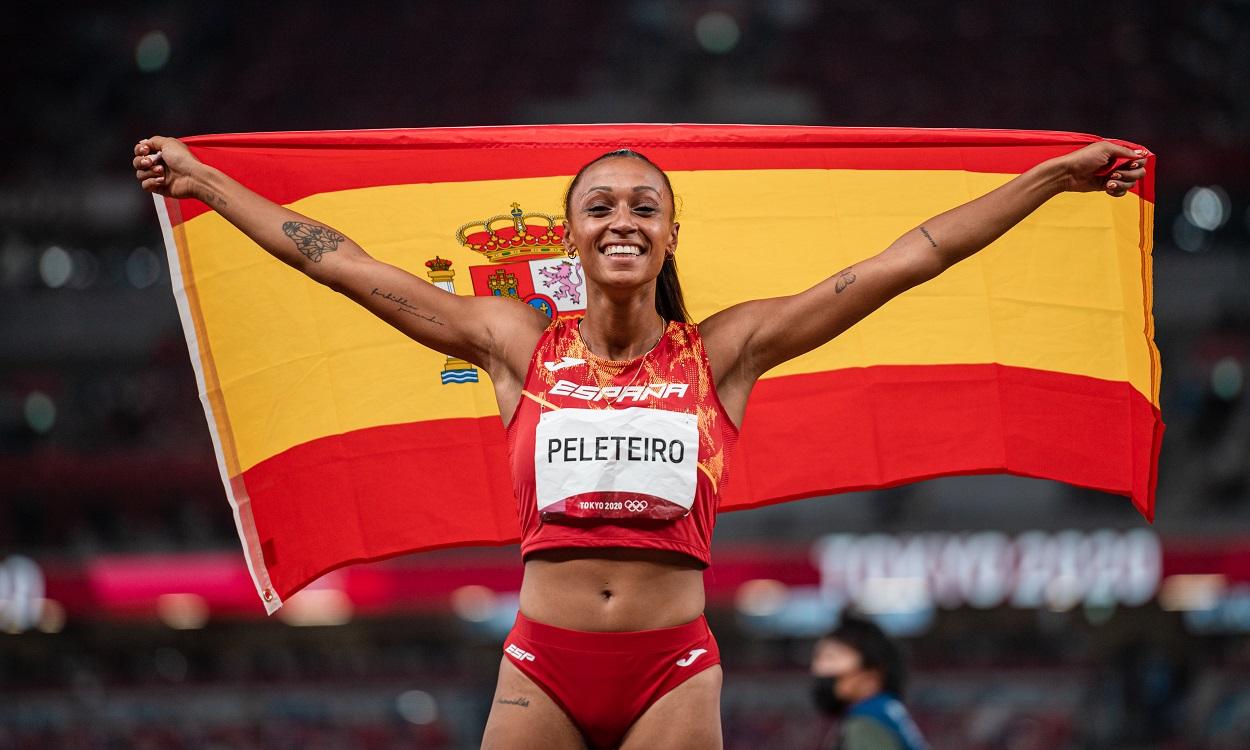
[(616, 463)]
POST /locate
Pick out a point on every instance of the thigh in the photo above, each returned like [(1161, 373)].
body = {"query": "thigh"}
[(523, 716), (685, 718)]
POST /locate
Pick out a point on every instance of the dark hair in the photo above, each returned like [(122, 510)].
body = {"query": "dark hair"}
[(876, 651), (669, 302)]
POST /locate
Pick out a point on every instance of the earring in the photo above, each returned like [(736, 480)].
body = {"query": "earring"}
[(572, 252)]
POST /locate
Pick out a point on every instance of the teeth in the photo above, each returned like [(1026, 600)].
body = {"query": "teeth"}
[(622, 250)]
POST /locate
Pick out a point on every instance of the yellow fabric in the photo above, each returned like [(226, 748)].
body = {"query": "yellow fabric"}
[(1069, 291)]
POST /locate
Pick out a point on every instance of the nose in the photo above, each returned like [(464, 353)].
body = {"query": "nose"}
[(623, 222)]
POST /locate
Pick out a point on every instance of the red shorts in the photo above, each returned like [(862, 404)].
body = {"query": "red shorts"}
[(604, 681)]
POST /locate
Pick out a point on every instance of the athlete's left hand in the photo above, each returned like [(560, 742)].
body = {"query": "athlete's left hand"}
[(1091, 168)]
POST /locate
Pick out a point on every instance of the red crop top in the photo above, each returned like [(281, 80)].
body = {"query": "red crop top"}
[(611, 453)]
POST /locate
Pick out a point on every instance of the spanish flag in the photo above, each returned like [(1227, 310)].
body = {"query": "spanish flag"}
[(340, 440)]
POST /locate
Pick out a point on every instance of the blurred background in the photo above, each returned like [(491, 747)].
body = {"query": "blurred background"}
[(1036, 615)]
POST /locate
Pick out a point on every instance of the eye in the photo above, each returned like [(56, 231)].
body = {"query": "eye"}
[(598, 209), (647, 210)]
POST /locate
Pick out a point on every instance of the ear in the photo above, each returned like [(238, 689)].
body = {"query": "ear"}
[(671, 248), (564, 238)]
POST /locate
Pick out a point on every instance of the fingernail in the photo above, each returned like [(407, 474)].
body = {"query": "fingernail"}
[(1116, 175), (1139, 152), (1112, 185)]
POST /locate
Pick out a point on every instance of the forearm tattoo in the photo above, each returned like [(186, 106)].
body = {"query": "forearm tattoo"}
[(928, 236), (215, 200), (522, 702), (312, 240), (845, 279), (404, 306)]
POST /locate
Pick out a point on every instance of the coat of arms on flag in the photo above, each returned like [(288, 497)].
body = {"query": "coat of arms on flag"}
[(526, 262)]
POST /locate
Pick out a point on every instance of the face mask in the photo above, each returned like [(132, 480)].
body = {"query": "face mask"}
[(825, 698)]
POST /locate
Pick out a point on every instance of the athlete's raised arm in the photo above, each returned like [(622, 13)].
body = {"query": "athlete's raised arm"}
[(746, 340), (489, 332)]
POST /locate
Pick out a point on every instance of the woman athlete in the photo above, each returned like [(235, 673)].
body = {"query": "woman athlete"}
[(610, 646)]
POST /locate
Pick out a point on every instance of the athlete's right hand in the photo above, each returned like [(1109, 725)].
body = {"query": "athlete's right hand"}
[(166, 167)]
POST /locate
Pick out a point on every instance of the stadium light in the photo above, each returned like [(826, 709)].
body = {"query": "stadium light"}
[(182, 611), (1185, 593), (761, 597)]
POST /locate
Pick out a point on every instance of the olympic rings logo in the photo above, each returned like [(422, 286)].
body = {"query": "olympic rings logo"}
[(636, 506)]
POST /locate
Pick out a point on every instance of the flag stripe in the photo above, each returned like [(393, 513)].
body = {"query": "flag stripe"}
[(860, 428), (1145, 244), (296, 165)]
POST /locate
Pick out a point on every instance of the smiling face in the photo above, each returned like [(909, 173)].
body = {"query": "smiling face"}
[(620, 220)]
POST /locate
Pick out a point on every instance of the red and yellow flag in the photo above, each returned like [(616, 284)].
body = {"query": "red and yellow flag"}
[(340, 440)]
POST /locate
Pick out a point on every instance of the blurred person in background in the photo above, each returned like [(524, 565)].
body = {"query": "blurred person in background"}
[(858, 677)]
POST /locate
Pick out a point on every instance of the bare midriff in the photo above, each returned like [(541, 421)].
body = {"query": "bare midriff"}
[(611, 589)]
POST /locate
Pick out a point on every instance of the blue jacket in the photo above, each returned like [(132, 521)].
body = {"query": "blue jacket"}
[(885, 712)]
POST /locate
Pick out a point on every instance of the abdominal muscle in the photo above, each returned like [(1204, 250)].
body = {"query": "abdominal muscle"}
[(611, 589)]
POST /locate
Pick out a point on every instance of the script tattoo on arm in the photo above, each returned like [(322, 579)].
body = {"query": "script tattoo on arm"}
[(404, 306), (845, 279), (928, 236), (311, 240), (522, 702), (214, 200)]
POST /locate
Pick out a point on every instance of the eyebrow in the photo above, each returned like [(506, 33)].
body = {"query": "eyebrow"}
[(637, 189)]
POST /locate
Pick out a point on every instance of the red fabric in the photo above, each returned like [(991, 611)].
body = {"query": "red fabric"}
[(605, 681), (306, 163), (961, 419), (678, 357)]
